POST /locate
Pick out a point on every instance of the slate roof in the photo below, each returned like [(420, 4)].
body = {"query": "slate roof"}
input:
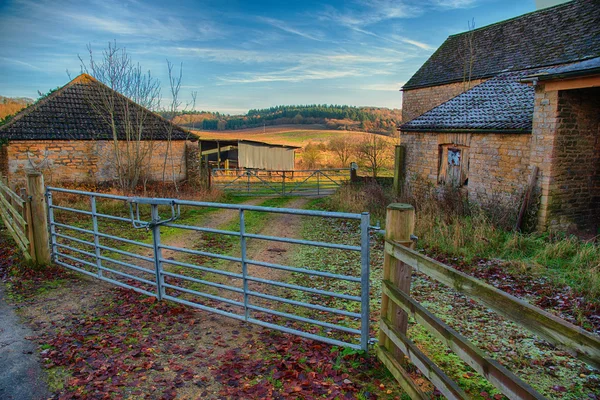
[(557, 35), (500, 104), (73, 113), (587, 67)]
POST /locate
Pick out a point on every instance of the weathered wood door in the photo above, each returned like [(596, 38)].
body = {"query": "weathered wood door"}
[(453, 171)]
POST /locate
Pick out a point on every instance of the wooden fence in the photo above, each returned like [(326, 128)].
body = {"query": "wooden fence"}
[(25, 217), (394, 345)]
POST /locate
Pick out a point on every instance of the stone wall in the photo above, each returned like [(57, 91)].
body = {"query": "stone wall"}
[(417, 101), (87, 161), (498, 163), (572, 171)]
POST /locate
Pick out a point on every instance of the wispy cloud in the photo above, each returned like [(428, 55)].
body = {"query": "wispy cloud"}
[(284, 26), (21, 63)]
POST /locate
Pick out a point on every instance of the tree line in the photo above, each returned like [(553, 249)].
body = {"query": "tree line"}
[(369, 119)]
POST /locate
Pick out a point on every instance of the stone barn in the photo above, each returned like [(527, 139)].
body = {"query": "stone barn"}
[(532, 100), (247, 154), (68, 135)]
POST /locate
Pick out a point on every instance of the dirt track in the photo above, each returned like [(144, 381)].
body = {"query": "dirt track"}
[(211, 336)]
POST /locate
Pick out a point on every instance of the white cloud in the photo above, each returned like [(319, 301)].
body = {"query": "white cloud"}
[(383, 87), (289, 29), (22, 63)]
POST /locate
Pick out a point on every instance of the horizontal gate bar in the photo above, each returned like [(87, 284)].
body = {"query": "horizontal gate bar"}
[(126, 253), (114, 282), (294, 211), (305, 242), (64, 246), (305, 289), (200, 229), (104, 235), (126, 275), (203, 307), (201, 253), (60, 235), (304, 334), (303, 304), (303, 270), (125, 264), (208, 296), (200, 268), (302, 319), (203, 282), (79, 260)]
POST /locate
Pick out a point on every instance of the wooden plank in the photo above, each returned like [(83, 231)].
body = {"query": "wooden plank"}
[(440, 380), (15, 214), (406, 382), (27, 216), (15, 234), (10, 193), (400, 224), (574, 83), (217, 150), (574, 339), (10, 223), (507, 382)]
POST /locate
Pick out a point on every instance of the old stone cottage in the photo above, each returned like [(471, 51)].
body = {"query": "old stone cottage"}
[(493, 103), (68, 136)]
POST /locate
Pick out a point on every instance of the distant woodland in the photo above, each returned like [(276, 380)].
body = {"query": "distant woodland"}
[(367, 119), (10, 106)]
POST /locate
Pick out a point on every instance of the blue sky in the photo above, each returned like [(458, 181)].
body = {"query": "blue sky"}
[(242, 54)]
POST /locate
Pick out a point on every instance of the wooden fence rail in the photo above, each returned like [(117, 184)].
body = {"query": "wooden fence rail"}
[(15, 213), (397, 305), (25, 217)]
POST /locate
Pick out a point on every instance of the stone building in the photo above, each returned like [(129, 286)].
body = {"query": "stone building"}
[(493, 103), (68, 136)]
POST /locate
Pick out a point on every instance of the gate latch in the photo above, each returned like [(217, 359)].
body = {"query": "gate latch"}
[(134, 203)]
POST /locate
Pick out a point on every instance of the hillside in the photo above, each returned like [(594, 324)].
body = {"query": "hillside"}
[(10, 106), (332, 117)]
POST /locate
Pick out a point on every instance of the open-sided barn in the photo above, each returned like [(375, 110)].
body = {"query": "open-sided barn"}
[(248, 154)]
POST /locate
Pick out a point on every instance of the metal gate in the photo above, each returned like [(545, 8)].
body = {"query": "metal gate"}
[(282, 183), (88, 235)]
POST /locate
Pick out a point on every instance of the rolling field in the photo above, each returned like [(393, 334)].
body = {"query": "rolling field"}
[(293, 135)]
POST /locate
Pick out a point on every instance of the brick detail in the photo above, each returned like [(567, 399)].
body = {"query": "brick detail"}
[(86, 161), (418, 101)]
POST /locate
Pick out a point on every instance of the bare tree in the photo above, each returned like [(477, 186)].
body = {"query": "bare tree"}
[(467, 53), (373, 152), (341, 146), (311, 155), (131, 150)]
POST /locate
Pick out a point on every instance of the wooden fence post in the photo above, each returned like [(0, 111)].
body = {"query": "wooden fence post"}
[(400, 155), (39, 217), (399, 226)]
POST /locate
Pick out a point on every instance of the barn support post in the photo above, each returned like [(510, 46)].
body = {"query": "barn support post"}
[(39, 218), (400, 156), (399, 227)]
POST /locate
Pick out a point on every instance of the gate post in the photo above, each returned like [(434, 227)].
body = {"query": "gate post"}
[(160, 279), (399, 226), (400, 155), (39, 218)]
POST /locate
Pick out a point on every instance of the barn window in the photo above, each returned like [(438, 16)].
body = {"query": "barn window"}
[(453, 165)]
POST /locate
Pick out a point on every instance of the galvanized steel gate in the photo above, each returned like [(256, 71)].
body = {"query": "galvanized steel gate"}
[(254, 182), (87, 240)]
